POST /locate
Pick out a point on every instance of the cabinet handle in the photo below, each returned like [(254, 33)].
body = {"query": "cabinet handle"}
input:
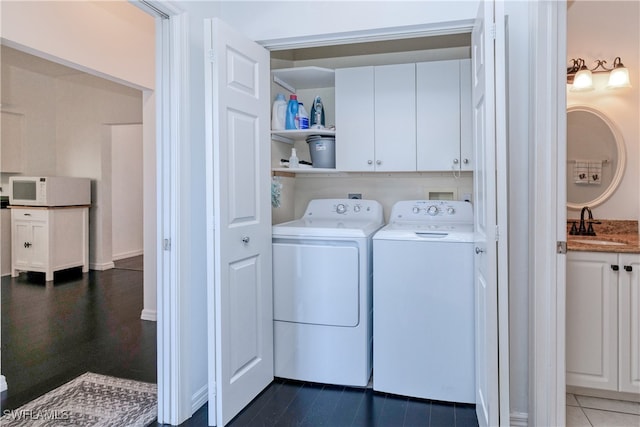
[(465, 161), (370, 162), (378, 162), (628, 268), (246, 240), (455, 161), (615, 267), (27, 214), (27, 244)]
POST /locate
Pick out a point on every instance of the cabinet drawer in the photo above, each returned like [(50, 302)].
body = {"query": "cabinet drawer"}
[(30, 214)]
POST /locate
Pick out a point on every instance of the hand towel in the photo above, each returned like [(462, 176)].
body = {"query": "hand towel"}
[(595, 172), (581, 172)]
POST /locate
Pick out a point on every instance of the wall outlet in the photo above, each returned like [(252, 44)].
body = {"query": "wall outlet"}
[(355, 195)]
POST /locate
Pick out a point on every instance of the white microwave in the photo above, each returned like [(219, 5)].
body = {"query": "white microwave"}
[(49, 191)]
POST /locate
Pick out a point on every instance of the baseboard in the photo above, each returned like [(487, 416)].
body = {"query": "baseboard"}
[(3, 384), (102, 266), (128, 254), (519, 419), (199, 398), (151, 315)]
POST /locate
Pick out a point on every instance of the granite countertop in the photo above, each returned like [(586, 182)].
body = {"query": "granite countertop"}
[(619, 236)]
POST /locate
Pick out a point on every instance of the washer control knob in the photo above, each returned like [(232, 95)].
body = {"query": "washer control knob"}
[(341, 208), (432, 210), (416, 210), (451, 210), (356, 208)]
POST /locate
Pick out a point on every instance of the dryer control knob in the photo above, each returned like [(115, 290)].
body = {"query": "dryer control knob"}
[(450, 210), (341, 208), (432, 210), (416, 210)]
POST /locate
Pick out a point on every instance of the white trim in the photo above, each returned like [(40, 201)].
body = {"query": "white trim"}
[(3, 384), (129, 254), (101, 266), (199, 398), (546, 373), (375, 35), (174, 404), (150, 315), (519, 419)]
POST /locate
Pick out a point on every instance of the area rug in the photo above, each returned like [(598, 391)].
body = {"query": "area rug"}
[(89, 400)]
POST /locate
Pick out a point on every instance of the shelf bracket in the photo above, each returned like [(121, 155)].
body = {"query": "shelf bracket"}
[(284, 84)]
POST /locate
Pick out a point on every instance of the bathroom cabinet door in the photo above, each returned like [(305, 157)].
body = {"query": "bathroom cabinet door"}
[(592, 320), (629, 323)]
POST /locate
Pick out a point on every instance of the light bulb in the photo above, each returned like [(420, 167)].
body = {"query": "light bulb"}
[(619, 78), (583, 80)]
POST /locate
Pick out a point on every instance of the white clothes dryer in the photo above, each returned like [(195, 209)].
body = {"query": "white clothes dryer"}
[(424, 302), (322, 283)]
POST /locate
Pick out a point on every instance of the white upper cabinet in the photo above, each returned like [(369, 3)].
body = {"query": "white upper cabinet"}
[(375, 118), (395, 118), (444, 140), (406, 117), (355, 140)]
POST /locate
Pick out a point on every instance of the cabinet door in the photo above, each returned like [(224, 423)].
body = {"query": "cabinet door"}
[(39, 256), (355, 119), (438, 115), (591, 324), (466, 119), (395, 118), (21, 235), (629, 323)]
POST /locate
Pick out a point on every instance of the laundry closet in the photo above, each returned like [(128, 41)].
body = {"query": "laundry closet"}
[(402, 116)]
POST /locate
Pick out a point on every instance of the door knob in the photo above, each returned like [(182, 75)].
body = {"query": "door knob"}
[(245, 240), (479, 250)]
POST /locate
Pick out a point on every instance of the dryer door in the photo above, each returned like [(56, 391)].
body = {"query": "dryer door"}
[(316, 282)]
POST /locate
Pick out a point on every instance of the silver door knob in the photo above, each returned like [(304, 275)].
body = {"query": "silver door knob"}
[(245, 240), (479, 250)]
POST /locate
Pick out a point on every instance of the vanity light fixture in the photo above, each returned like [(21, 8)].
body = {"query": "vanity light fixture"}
[(581, 78)]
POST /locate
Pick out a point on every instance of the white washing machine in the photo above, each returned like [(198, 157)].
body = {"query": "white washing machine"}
[(322, 299), (423, 322)]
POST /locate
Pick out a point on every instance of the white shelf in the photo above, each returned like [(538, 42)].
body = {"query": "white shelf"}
[(292, 135), (306, 170), (293, 79)]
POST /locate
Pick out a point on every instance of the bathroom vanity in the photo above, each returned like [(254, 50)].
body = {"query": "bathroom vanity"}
[(603, 309)]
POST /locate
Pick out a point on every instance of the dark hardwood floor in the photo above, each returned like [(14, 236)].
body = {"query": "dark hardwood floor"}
[(51, 333)]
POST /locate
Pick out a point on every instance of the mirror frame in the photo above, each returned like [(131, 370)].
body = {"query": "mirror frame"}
[(622, 157)]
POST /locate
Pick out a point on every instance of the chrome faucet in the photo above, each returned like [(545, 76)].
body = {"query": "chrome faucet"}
[(584, 230)]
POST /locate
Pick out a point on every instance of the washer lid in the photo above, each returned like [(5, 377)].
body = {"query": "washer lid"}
[(307, 227), (445, 232)]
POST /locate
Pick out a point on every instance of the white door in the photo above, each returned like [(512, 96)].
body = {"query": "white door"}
[(239, 212), (490, 195)]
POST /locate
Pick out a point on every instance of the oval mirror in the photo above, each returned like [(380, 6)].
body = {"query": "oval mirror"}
[(595, 157)]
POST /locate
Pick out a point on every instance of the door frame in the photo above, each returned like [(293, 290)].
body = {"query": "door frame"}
[(174, 404), (548, 221), (172, 47)]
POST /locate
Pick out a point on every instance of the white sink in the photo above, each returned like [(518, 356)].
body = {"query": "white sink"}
[(598, 242)]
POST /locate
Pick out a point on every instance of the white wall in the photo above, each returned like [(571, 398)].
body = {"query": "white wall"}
[(617, 34), (111, 39), (126, 191)]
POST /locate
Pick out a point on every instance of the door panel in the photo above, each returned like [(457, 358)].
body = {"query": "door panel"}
[(485, 204), (238, 165)]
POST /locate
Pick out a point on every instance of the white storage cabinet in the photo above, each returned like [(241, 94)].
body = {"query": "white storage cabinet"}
[(444, 123), (603, 321), (49, 239), (375, 118)]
